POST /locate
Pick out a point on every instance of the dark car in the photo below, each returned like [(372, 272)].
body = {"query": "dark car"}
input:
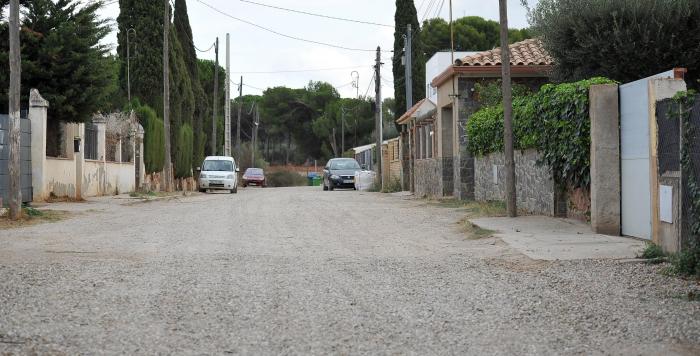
[(340, 173), (254, 176)]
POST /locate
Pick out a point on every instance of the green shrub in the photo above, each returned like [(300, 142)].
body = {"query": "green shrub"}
[(652, 251), (686, 263), (554, 121), (183, 151), (392, 186), (154, 138), (285, 179)]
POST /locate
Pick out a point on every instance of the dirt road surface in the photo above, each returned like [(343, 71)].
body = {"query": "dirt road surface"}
[(301, 271)]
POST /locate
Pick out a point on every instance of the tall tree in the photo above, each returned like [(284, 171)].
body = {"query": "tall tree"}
[(183, 30), (406, 14), (472, 33), (623, 40), (146, 52)]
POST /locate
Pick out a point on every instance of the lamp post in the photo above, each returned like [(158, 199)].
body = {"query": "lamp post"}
[(128, 63), (356, 82)]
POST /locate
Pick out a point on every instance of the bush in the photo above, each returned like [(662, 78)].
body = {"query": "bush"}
[(686, 263), (183, 151), (246, 156), (285, 179), (624, 40), (652, 251), (153, 140), (554, 121), (392, 186)]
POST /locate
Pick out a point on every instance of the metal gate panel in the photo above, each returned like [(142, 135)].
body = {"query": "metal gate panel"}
[(634, 155), (25, 159)]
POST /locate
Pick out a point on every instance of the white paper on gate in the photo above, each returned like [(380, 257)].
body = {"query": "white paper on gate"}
[(364, 179)]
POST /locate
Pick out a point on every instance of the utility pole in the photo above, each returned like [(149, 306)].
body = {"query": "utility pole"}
[(342, 130), (14, 122), (507, 112), (128, 64), (238, 121), (166, 97), (255, 136), (216, 99), (378, 114), (408, 61), (227, 104)]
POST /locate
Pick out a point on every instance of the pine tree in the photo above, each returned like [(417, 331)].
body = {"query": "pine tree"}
[(406, 14)]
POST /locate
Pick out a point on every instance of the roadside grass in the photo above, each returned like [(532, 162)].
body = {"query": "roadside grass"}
[(31, 216), (652, 251), (147, 194)]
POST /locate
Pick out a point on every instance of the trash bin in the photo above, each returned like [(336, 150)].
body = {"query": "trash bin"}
[(310, 177), (317, 181)]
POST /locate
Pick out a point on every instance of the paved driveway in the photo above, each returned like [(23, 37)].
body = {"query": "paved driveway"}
[(301, 271)]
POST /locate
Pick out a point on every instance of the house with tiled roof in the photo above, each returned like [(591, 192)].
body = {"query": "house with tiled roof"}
[(457, 100)]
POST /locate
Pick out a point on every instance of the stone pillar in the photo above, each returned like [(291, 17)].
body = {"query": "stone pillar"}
[(79, 158), (38, 110), (101, 123), (605, 159)]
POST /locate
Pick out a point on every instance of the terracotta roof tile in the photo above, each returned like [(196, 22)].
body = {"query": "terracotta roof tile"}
[(525, 53), (410, 112)]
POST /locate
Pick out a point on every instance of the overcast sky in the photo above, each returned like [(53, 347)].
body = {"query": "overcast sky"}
[(256, 50)]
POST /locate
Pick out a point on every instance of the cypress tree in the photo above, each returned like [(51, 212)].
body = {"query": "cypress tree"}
[(406, 14), (183, 31)]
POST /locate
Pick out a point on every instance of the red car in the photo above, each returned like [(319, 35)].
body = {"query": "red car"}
[(254, 176)]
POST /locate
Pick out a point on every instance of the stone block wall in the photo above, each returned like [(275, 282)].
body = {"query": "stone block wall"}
[(535, 187), (428, 178)]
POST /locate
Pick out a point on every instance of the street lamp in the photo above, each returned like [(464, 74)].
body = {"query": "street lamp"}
[(356, 82), (128, 64)]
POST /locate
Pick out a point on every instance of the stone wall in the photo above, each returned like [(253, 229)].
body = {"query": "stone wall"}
[(534, 184), (428, 178)]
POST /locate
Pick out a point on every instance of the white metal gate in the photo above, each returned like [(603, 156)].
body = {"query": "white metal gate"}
[(634, 154)]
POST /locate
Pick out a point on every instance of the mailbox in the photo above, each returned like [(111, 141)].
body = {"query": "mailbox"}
[(76, 144)]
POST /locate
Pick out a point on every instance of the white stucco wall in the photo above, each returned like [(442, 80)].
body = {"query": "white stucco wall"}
[(436, 65), (120, 177), (59, 178)]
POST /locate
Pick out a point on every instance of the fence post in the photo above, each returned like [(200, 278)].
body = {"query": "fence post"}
[(38, 109), (101, 123), (79, 161)]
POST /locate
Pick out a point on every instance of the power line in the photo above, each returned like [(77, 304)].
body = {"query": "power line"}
[(190, 38), (317, 15), (300, 70), (370, 84), (282, 34)]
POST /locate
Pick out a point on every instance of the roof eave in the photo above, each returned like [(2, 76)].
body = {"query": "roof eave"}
[(529, 71)]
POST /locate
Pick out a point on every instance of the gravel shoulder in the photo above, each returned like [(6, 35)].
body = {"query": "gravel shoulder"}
[(301, 271)]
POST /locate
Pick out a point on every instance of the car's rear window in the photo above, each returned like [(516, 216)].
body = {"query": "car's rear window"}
[(345, 164), (218, 165), (254, 172)]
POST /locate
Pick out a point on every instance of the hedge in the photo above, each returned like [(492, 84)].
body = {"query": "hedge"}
[(183, 151), (554, 121)]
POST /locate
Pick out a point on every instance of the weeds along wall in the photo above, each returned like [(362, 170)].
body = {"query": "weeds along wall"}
[(554, 121)]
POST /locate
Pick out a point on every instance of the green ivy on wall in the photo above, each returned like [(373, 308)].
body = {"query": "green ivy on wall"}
[(555, 121)]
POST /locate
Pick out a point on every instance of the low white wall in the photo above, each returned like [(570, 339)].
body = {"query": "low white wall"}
[(120, 177), (93, 178), (59, 178)]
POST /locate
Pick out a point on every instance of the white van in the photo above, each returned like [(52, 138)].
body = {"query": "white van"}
[(218, 173)]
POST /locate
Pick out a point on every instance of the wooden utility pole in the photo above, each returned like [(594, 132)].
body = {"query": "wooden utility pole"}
[(378, 114), (408, 53), (255, 136), (14, 119), (166, 97), (227, 104), (507, 113), (238, 120), (216, 99)]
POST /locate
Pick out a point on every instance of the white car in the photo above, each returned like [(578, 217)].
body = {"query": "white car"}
[(218, 173)]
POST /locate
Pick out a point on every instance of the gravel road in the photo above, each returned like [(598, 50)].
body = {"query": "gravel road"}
[(301, 271)]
